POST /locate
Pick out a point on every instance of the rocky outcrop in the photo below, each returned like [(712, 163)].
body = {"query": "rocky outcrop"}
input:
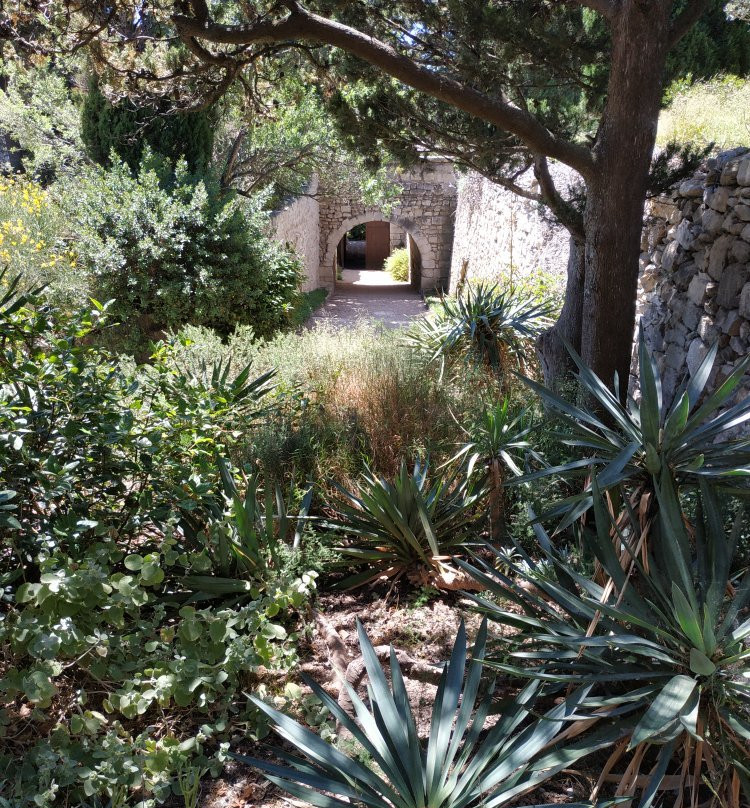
[(695, 272)]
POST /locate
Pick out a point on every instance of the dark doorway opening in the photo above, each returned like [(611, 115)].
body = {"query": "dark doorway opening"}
[(365, 246)]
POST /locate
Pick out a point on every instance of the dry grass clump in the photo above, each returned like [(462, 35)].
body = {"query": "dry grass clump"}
[(715, 111)]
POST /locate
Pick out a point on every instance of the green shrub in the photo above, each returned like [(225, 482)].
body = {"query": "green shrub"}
[(483, 324), (635, 446), (127, 679), (175, 251), (461, 765), (397, 264)]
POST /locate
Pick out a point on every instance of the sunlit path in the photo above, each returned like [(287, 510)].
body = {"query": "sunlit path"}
[(373, 295)]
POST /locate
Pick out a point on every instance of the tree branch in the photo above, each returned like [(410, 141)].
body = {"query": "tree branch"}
[(685, 21), (302, 24), (568, 216)]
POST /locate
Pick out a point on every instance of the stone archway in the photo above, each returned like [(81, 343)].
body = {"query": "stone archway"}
[(424, 207), (427, 265)]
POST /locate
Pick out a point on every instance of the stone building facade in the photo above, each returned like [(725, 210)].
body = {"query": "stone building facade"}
[(422, 217), (695, 271)]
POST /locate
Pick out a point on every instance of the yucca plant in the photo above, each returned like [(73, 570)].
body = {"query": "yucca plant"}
[(636, 444), (498, 442), (483, 324), (243, 535), (663, 645), (410, 524), (460, 766)]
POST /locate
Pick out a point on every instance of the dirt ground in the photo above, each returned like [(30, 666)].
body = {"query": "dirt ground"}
[(399, 617), (370, 295)]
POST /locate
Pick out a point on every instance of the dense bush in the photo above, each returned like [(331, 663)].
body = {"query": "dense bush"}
[(174, 250), (484, 324), (660, 636), (113, 683), (410, 524), (397, 264), (34, 241)]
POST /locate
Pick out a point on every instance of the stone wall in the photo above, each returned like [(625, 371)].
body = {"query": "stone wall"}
[(298, 224), (695, 271), (499, 235)]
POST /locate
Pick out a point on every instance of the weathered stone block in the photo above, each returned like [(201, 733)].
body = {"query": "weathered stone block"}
[(745, 234), (692, 187), (742, 212), (739, 252), (717, 257), (732, 280), (669, 256), (697, 288), (744, 307), (743, 172), (712, 221), (697, 352), (732, 323), (717, 199)]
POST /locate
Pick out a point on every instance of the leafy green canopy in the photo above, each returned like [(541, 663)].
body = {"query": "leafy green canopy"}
[(127, 130), (549, 58), (171, 249)]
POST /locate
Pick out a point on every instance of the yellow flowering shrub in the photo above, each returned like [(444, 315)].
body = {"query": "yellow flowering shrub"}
[(32, 239)]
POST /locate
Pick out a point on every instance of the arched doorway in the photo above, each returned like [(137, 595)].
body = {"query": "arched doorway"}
[(358, 248)]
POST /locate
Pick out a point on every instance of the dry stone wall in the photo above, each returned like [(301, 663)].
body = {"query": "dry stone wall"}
[(298, 224), (500, 235), (695, 272)]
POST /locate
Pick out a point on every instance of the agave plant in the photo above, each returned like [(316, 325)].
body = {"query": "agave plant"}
[(636, 444), (663, 645), (409, 524), (498, 441), (243, 534), (458, 767), (484, 324)]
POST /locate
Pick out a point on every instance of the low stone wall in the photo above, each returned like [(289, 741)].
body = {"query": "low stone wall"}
[(695, 272), (499, 235), (298, 224)]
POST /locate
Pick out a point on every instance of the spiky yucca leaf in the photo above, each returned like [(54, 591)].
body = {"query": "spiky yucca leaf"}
[(638, 443), (410, 521), (664, 644), (457, 767), (484, 324)]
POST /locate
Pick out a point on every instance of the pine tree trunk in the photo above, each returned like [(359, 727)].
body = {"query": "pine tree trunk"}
[(616, 192), (553, 355)]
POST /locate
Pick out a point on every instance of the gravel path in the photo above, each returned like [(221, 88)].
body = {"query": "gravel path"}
[(370, 295)]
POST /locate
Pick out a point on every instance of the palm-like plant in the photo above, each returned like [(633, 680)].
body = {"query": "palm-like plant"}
[(459, 767), (409, 524), (663, 644), (483, 324), (498, 441), (637, 444), (243, 535)]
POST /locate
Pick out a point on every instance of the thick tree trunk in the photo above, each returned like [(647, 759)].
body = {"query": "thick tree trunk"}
[(617, 188), (553, 355)]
